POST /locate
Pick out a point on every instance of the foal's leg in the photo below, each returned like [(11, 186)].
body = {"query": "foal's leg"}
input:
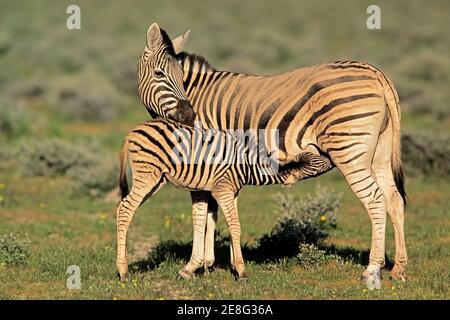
[(209, 258), (225, 192), (199, 220), (144, 185), (204, 217)]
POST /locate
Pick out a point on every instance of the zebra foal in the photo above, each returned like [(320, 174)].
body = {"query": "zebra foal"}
[(219, 162)]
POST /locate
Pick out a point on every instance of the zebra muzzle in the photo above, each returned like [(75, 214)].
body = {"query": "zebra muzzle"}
[(185, 113)]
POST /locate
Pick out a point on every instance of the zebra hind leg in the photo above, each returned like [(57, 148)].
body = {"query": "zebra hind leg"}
[(140, 191), (395, 206), (356, 167)]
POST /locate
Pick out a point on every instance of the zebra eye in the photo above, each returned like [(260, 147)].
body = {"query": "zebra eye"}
[(159, 74)]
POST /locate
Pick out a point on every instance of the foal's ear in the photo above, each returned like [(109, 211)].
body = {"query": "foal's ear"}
[(153, 36), (178, 43)]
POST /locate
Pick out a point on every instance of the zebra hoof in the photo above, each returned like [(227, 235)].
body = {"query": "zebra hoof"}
[(373, 280), (242, 279), (184, 274), (207, 268), (123, 276), (398, 273)]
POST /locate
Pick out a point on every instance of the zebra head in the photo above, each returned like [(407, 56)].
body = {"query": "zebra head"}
[(160, 77)]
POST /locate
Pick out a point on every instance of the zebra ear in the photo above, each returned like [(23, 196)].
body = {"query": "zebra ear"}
[(153, 36), (178, 43)]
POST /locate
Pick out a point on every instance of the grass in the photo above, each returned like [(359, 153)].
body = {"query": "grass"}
[(67, 227), (83, 234)]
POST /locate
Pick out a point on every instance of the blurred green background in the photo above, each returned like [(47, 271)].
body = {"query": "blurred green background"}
[(263, 37), (67, 98)]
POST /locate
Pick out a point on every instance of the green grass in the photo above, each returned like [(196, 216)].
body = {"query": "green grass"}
[(67, 227), (67, 231)]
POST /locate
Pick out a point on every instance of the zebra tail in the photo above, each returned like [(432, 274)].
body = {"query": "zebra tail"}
[(392, 101), (123, 184)]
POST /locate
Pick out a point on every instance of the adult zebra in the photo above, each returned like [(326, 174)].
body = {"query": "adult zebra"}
[(345, 111)]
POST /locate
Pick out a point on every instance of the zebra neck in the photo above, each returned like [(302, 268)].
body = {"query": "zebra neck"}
[(198, 73), (264, 175)]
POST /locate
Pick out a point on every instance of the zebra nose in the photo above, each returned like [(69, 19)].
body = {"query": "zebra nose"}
[(185, 112)]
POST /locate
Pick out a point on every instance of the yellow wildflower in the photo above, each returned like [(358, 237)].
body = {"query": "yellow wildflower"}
[(323, 218)]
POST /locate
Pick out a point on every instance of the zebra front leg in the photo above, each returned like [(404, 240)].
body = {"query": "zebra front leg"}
[(125, 212), (226, 195), (209, 258), (199, 216)]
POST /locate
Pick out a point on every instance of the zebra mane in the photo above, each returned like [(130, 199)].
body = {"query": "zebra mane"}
[(168, 46), (192, 58)]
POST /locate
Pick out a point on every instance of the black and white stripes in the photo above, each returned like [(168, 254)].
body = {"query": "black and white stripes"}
[(220, 162)]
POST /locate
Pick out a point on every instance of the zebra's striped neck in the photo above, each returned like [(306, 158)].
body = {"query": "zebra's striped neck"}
[(258, 175), (194, 63), (198, 73), (264, 171)]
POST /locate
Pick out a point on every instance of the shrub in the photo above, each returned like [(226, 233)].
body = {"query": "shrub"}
[(426, 154), (311, 256), (97, 178), (124, 76), (7, 152), (53, 157), (306, 220), (14, 248), (14, 120), (422, 83), (92, 170), (78, 99)]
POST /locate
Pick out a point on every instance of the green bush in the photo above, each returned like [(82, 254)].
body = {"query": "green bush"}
[(124, 76), (310, 256), (14, 120), (78, 99), (425, 153), (423, 83), (53, 157), (14, 248), (307, 220), (92, 170), (97, 178)]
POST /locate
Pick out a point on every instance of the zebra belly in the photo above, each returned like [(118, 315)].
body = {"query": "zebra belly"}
[(192, 182)]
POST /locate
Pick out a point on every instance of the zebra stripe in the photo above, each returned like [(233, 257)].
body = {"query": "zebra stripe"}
[(346, 112), (165, 150)]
